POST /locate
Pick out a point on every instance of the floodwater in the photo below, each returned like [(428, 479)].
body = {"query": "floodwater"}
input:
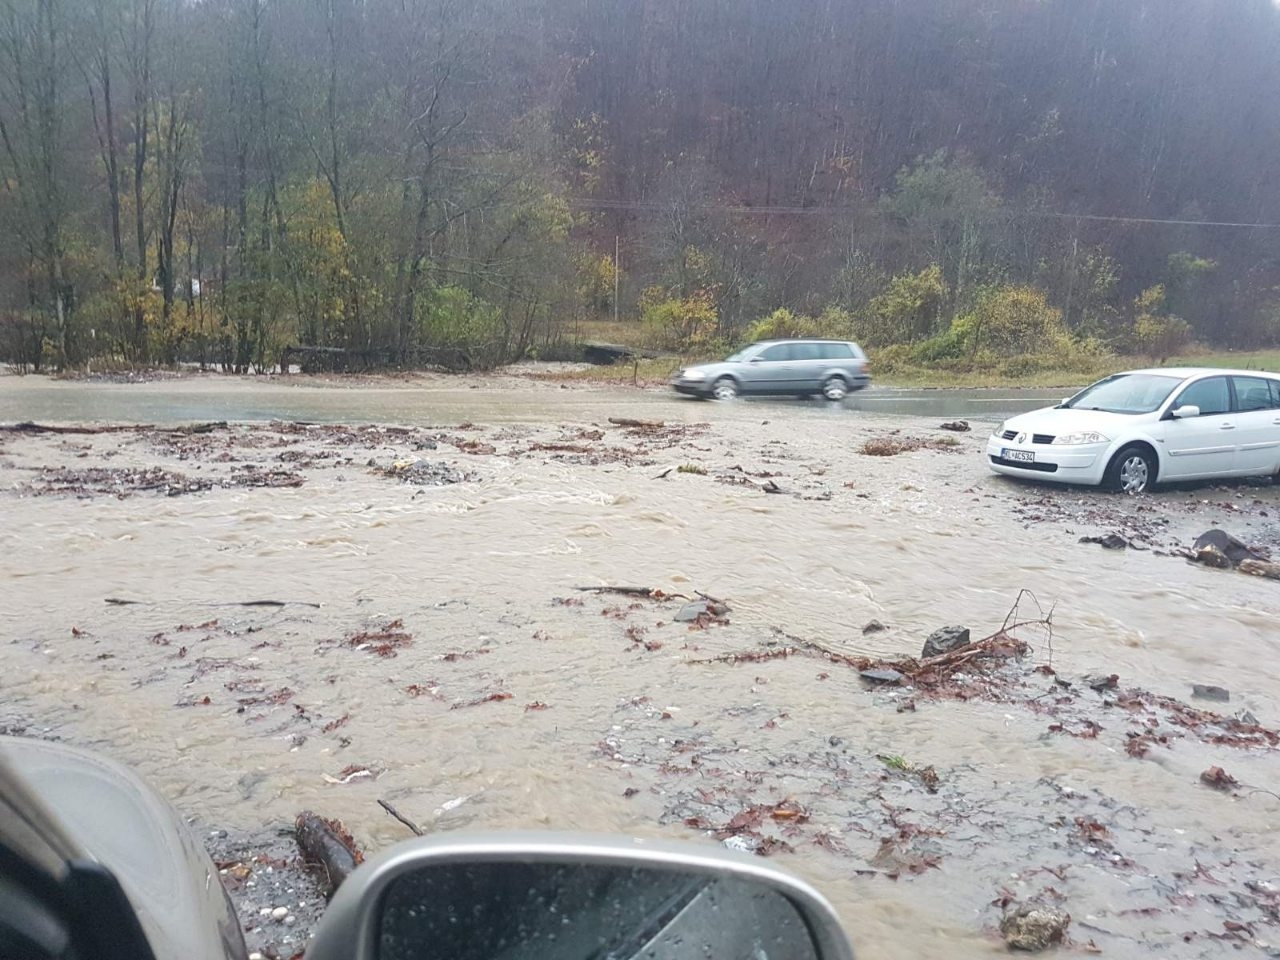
[(610, 725), (440, 400)]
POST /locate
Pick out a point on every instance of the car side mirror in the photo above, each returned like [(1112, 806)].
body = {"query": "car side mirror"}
[(1185, 412), (556, 896), (755, 359)]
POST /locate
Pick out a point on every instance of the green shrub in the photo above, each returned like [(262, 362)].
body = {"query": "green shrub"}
[(953, 344), (782, 324), (833, 323), (461, 329), (1013, 321), (1155, 333), (689, 324), (893, 358), (908, 309)]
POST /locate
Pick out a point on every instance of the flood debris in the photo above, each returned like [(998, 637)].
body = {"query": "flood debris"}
[(1111, 541), (698, 610), (422, 473), (250, 475), (119, 482), (382, 641), (1212, 546), (758, 828), (27, 427), (908, 851), (1219, 779), (1034, 926), (1260, 568), (495, 697), (1222, 551), (892, 445), (956, 426), (651, 592), (328, 846), (413, 827)]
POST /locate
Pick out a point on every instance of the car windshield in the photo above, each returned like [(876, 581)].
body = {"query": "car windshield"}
[(1131, 393), (740, 355)]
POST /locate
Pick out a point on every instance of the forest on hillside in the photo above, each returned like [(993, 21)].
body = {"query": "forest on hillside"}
[(447, 181)]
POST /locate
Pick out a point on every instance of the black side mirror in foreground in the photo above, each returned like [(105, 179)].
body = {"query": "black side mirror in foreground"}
[(557, 896)]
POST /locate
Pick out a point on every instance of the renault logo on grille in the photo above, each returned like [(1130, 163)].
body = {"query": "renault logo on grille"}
[(1020, 438)]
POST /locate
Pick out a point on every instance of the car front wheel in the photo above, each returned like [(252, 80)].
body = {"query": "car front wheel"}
[(726, 388), (835, 388), (1132, 471)]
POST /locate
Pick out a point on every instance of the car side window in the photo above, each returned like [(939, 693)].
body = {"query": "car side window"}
[(1211, 395), (837, 351), (779, 351), (1253, 394), (1275, 393), (806, 351)]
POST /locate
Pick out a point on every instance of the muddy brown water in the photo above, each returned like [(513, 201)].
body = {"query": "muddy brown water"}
[(609, 726)]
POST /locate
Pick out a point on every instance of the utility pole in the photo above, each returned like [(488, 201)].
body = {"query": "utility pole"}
[(616, 273)]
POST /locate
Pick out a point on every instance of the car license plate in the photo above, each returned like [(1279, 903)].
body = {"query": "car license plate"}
[(1025, 456)]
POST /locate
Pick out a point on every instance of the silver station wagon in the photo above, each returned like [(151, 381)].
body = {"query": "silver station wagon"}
[(831, 368)]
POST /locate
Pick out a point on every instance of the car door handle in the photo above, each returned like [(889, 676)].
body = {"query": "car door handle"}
[(1227, 426)]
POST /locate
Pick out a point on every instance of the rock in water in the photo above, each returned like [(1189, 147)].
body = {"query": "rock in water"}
[(1212, 556), (944, 641), (1232, 549), (692, 611), (1033, 926), (882, 676), (1205, 691)]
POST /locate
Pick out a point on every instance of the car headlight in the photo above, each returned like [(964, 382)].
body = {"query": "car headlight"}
[(1079, 439), (998, 430), (694, 374)]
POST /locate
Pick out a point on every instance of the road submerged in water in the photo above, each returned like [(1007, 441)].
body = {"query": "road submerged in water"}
[(276, 616)]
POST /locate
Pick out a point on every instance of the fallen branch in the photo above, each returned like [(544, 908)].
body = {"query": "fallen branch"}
[(328, 844), (385, 805), (268, 603), (622, 590), (28, 427), (1001, 645), (637, 424)]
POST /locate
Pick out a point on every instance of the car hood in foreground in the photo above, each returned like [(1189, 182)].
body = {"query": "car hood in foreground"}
[(1058, 421)]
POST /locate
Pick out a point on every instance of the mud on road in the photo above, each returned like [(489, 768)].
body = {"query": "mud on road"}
[(267, 618)]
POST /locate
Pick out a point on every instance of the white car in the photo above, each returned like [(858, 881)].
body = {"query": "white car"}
[(1134, 429)]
